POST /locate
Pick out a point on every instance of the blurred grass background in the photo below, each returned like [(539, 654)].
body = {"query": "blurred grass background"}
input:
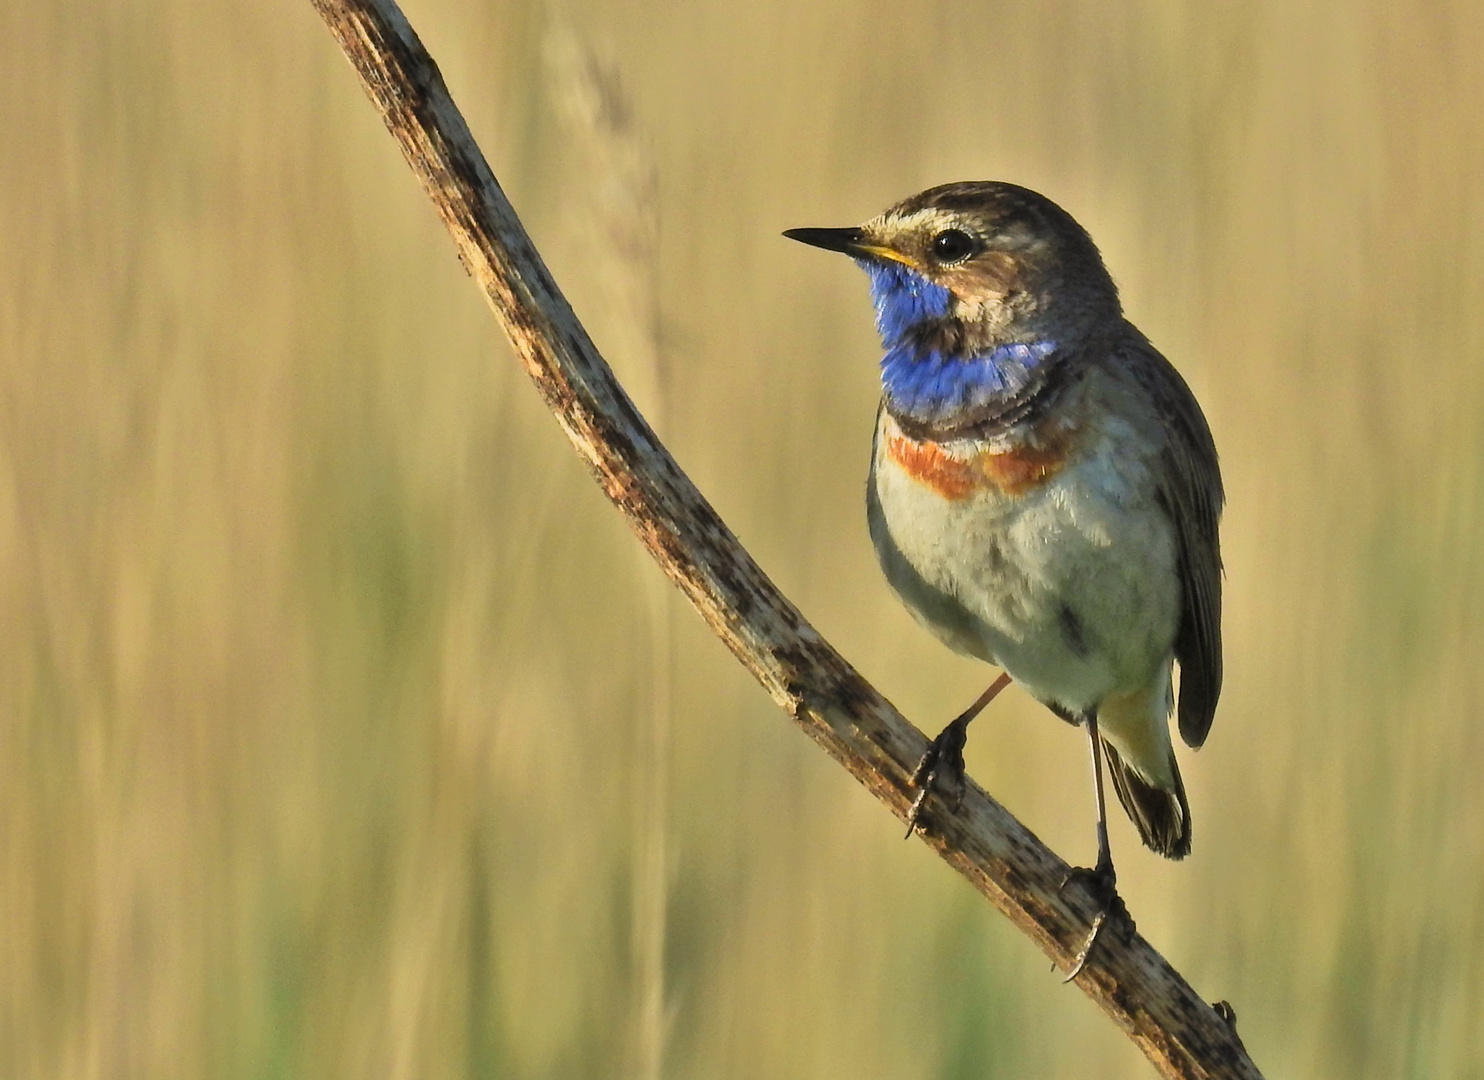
[(328, 680)]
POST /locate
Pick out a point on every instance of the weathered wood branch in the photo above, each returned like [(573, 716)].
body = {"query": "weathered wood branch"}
[(1180, 1033)]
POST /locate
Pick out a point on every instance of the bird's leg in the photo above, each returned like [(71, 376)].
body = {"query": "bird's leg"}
[(1101, 879), (945, 756)]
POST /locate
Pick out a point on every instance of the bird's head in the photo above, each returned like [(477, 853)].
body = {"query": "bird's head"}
[(998, 257), (977, 287)]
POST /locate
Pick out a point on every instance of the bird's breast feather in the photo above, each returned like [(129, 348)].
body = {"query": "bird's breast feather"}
[(955, 473)]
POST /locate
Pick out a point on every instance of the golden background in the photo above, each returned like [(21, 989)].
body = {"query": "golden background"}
[(345, 733)]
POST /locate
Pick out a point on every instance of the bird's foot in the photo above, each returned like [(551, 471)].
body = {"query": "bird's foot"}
[(1101, 881), (942, 766)]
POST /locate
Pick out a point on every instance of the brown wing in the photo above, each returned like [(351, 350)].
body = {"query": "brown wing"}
[(1190, 488)]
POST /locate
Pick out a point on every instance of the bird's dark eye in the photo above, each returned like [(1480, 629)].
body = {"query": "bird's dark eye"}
[(953, 245)]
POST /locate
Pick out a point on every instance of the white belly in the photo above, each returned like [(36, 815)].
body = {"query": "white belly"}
[(1071, 587)]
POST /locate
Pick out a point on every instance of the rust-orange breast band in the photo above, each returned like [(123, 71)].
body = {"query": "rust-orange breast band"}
[(1013, 472)]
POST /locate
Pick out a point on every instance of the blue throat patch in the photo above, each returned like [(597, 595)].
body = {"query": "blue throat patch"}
[(903, 298), (933, 387)]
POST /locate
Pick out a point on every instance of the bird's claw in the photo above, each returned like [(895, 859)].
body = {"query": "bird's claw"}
[(943, 761), (1102, 883), (1080, 961), (915, 812)]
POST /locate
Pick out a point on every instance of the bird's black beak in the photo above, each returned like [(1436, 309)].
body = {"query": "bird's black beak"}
[(849, 241), (852, 242)]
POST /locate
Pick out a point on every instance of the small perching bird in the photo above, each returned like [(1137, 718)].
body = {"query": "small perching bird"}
[(1044, 491)]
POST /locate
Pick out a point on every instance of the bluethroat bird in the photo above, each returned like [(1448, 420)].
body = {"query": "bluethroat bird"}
[(1044, 492)]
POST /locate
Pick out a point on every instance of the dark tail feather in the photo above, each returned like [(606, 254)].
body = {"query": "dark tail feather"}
[(1162, 817)]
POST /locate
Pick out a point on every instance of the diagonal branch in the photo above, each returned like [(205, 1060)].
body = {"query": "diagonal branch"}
[(1180, 1033)]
